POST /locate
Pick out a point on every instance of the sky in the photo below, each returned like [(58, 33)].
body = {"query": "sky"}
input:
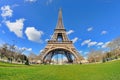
[(90, 24)]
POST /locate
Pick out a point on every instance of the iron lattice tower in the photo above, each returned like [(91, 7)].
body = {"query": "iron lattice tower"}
[(60, 44)]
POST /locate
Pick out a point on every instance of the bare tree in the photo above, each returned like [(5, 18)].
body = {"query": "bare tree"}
[(95, 55), (21, 56), (4, 50), (32, 57), (114, 44), (0, 52), (11, 52), (114, 47)]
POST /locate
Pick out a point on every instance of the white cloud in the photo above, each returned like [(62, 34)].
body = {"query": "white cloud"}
[(46, 40), (69, 32), (105, 44), (29, 49), (6, 11), (80, 52), (103, 32), (16, 27), (86, 42), (100, 43), (23, 48), (41, 50), (90, 29), (92, 44), (49, 2), (31, 1), (33, 34), (75, 39)]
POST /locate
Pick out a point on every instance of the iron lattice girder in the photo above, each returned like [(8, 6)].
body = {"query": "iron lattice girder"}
[(66, 48), (64, 45), (50, 55)]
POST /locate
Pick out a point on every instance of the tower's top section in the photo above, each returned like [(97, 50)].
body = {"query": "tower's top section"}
[(60, 22)]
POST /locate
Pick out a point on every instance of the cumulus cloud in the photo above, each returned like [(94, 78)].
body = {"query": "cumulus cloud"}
[(31, 1), (16, 27), (86, 42), (92, 43), (100, 43), (33, 34), (46, 40), (6, 11), (24, 48), (105, 44), (90, 29), (29, 49), (80, 51), (41, 50), (103, 32), (69, 32), (49, 2), (75, 39)]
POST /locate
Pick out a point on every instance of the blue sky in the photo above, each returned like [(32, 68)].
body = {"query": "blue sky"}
[(30, 23)]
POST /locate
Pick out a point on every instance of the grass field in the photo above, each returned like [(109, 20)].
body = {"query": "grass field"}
[(103, 71)]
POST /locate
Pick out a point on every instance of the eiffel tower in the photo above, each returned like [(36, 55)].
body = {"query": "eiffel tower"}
[(60, 44)]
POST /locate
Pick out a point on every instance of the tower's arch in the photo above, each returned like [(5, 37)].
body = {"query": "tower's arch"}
[(71, 57)]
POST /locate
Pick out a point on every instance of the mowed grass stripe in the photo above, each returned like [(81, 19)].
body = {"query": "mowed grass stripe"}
[(102, 71)]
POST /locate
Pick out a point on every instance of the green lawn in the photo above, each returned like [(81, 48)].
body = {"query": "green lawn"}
[(103, 71)]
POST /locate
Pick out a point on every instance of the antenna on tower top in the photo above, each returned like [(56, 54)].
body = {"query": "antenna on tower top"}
[(60, 22)]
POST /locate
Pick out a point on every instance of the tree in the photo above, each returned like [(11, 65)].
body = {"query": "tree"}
[(11, 52), (114, 44), (114, 47), (20, 55), (0, 53), (32, 57), (95, 55), (23, 58), (4, 50), (27, 62)]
